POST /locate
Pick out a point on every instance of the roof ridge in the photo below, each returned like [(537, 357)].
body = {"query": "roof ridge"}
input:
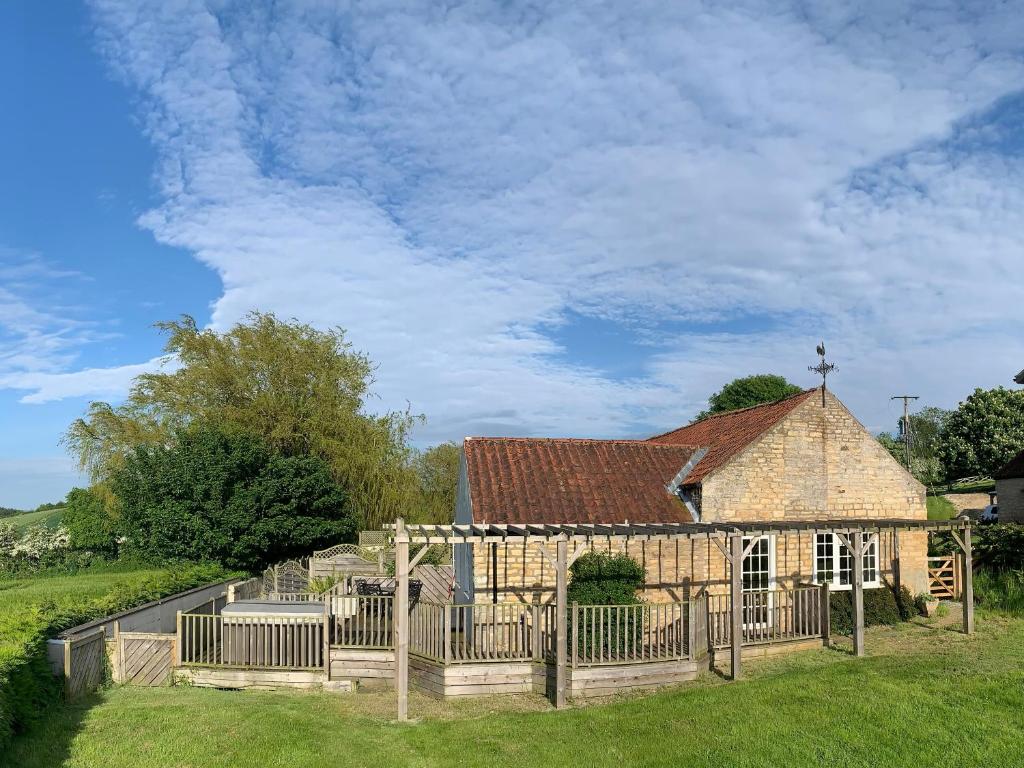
[(795, 395), (586, 440)]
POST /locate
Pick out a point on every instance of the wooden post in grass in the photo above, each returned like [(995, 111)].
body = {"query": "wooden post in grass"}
[(826, 615), (402, 619), (561, 609), (967, 579), (857, 550), (736, 592)]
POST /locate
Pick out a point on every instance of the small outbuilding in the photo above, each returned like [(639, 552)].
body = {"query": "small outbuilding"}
[(1010, 490)]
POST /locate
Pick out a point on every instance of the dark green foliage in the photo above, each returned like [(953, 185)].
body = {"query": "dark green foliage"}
[(749, 391), (881, 606), (228, 498), (597, 578), (999, 546), (27, 684), (10, 512), (89, 525), (1001, 591), (983, 433), (926, 435)]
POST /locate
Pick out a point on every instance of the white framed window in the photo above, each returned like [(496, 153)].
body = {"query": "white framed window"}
[(758, 575), (833, 562)]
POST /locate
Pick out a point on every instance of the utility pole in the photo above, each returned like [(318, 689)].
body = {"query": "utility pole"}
[(906, 422)]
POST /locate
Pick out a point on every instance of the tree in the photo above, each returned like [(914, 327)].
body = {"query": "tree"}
[(599, 578), (749, 391), (228, 497), (300, 390), (437, 473), (983, 433), (89, 523), (926, 436)]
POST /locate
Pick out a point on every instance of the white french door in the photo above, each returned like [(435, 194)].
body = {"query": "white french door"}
[(758, 574)]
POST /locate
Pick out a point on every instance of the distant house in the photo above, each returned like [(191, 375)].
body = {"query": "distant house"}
[(793, 460), (1010, 490)]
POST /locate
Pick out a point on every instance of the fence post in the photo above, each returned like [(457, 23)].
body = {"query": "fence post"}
[(967, 580), (178, 638), (447, 633), (825, 615), (327, 636), (691, 630), (575, 633), (736, 603), (538, 652), (561, 585)]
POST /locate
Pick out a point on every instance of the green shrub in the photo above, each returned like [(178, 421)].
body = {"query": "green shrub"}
[(89, 524), (882, 606), (27, 685), (597, 578), (999, 546)]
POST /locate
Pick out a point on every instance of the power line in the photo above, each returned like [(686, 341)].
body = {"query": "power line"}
[(906, 422)]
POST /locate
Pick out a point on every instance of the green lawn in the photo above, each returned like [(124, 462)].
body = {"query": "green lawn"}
[(940, 508), (48, 517), (925, 696)]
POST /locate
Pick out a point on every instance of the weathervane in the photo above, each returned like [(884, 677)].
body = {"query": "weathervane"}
[(823, 369)]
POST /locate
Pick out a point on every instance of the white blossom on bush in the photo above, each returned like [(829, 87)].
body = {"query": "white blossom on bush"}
[(39, 541)]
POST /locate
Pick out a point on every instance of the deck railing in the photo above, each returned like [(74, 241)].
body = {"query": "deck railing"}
[(769, 616), (362, 621), (272, 642), (455, 634), (627, 634)]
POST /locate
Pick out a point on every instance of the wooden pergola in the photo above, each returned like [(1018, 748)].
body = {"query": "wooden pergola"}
[(728, 537)]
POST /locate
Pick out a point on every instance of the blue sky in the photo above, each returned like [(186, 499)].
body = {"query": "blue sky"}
[(537, 220)]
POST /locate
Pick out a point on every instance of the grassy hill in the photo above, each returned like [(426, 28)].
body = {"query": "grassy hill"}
[(48, 517)]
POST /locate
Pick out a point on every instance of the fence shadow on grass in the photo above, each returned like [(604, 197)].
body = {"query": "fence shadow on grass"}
[(46, 743)]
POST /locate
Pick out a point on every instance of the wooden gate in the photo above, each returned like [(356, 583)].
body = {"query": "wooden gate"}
[(944, 576), (85, 658), (144, 658)]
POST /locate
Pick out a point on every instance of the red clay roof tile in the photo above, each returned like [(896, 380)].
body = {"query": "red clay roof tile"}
[(532, 480), (726, 434)]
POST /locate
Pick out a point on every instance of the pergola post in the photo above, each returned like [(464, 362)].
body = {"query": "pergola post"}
[(401, 608), (561, 611), (967, 580), (857, 550), (736, 603)]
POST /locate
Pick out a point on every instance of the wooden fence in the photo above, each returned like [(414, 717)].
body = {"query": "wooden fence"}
[(268, 642), (627, 634), (85, 660), (944, 576), (245, 590), (143, 658), (770, 616), (362, 621), (484, 632)]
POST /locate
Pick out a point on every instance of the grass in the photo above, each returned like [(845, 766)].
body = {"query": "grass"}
[(48, 517), (1000, 591), (54, 591), (924, 696), (940, 508), (975, 486)]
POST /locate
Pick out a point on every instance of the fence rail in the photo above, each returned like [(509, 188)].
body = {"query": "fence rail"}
[(264, 641), (944, 576), (769, 616), (362, 621), (627, 634)]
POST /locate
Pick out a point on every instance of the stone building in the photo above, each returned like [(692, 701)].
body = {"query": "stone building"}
[(794, 460), (1010, 490)]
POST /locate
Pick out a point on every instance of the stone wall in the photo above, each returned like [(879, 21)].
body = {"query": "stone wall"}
[(1010, 495), (676, 569)]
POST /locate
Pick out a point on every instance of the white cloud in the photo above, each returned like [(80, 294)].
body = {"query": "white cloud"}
[(110, 383), (448, 182)]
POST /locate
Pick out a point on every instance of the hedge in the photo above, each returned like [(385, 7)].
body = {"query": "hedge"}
[(27, 684), (881, 606)]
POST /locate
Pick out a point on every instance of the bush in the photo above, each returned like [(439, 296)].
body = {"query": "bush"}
[(229, 498), (597, 578), (27, 685), (89, 525), (882, 606), (999, 546)]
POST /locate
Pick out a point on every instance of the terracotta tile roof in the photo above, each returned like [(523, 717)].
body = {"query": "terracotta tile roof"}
[(726, 434), (1014, 468), (535, 480)]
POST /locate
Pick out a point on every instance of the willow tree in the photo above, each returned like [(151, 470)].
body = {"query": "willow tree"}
[(301, 390)]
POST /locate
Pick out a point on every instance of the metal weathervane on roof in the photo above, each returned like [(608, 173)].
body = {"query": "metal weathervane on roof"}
[(823, 369)]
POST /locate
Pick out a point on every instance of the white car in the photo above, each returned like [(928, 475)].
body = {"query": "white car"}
[(990, 514)]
